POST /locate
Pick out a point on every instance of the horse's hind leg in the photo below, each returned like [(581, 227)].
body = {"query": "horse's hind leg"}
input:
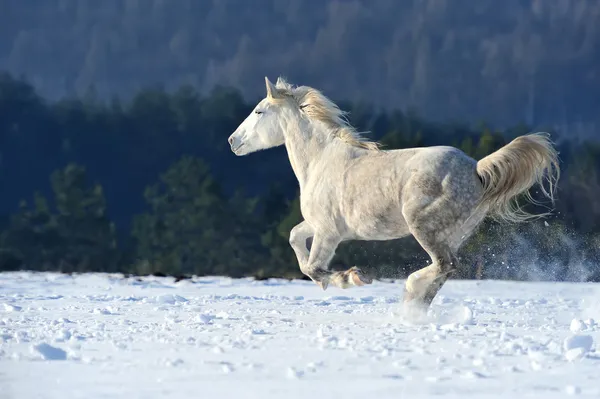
[(433, 226), (424, 284)]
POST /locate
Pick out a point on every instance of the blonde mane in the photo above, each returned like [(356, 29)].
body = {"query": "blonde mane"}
[(318, 107)]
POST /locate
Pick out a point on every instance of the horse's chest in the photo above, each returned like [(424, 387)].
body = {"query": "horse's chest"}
[(311, 207), (318, 204)]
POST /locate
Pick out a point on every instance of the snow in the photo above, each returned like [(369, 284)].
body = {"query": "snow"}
[(96, 335), (49, 352)]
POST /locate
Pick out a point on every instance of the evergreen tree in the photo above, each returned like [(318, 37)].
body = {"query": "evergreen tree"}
[(87, 235), (78, 237), (192, 228)]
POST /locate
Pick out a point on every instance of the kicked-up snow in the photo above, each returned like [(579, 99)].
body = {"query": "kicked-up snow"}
[(105, 336)]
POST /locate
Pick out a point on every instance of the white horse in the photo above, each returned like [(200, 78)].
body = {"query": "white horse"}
[(350, 189)]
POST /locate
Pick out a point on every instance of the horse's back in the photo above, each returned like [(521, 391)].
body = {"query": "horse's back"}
[(375, 187), (441, 158)]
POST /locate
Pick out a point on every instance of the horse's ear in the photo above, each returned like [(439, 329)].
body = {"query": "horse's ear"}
[(271, 90)]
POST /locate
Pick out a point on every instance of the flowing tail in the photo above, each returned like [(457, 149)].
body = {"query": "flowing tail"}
[(513, 170)]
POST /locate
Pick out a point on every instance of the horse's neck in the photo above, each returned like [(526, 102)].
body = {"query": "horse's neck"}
[(306, 147)]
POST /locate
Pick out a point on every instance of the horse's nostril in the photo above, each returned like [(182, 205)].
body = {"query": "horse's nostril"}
[(230, 140)]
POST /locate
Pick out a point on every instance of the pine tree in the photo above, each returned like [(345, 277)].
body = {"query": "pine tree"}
[(192, 228)]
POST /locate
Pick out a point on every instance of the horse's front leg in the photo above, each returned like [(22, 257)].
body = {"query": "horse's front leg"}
[(317, 268), (298, 241)]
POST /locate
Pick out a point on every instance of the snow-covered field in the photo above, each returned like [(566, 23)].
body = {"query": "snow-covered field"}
[(104, 336)]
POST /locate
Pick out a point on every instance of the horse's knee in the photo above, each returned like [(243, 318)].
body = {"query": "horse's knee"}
[(294, 237), (297, 237)]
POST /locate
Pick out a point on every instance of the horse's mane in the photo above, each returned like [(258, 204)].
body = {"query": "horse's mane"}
[(318, 107)]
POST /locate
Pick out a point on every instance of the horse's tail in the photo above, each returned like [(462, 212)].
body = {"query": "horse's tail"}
[(513, 170)]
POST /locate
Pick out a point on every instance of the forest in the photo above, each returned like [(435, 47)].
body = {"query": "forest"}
[(148, 185), (504, 62)]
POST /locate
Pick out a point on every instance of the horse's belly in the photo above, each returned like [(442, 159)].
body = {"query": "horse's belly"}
[(377, 224)]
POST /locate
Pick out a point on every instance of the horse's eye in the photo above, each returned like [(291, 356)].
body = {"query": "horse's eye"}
[(258, 112)]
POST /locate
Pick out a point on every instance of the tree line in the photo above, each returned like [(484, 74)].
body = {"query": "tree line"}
[(148, 186), (500, 61)]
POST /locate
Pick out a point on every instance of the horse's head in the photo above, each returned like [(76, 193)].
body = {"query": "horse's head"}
[(264, 127)]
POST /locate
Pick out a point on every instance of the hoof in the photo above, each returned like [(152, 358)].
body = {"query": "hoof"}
[(416, 303), (353, 277), (323, 284), (357, 277), (414, 307), (415, 311), (408, 296)]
